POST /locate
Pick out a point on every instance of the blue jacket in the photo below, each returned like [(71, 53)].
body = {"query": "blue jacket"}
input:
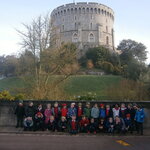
[(72, 112), (140, 115), (102, 113)]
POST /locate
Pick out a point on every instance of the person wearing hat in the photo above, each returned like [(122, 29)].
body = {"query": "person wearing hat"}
[(102, 111), (20, 113), (87, 111), (64, 110), (72, 111)]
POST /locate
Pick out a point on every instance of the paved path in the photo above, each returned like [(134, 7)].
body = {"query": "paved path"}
[(77, 142)]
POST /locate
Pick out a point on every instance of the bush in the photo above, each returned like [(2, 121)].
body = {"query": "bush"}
[(5, 95)]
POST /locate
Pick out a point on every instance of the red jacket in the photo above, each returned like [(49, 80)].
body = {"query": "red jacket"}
[(83, 122), (80, 112), (64, 112)]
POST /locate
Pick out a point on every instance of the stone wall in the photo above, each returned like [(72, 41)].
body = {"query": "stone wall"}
[(8, 118)]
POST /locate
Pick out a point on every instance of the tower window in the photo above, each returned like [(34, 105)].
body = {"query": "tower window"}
[(91, 26), (75, 25), (91, 38), (75, 38)]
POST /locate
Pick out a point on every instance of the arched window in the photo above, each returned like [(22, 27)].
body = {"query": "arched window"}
[(99, 11), (108, 14), (71, 10), (107, 40), (102, 11), (91, 38), (79, 10), (83, 9), (75, 10), (87, 10), (68, 10), (75, 38)]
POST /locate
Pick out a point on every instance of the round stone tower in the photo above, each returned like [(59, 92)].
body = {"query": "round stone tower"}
[(85, 24)]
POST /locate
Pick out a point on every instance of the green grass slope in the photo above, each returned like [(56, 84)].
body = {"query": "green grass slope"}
[(81, 85), (74, 86)]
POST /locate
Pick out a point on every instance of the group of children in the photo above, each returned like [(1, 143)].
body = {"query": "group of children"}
[(76, 118)]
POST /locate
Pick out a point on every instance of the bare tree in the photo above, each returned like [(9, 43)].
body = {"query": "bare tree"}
[(49, 60)]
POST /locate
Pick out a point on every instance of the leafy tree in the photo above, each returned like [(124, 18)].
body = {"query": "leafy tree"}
[(132, 49), (132, 58), (98, 54)]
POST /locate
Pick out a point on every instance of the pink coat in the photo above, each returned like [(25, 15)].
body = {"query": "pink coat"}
[(47, 113)]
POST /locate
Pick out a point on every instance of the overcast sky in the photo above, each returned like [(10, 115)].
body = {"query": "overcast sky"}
[(132, 19)]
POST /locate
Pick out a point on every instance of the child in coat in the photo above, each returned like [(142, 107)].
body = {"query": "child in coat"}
[(62, 124), (139, 118), (116, 111), (64, 110), (122, 112), (20, 113), (92, 126), (87, 110), (101, 126), (109, 112), (28, 124), (73, 125), (72, 111), (95, 113), (56, 111), (128, 123), (39, 121), (79, 111), (47, 113), (119, 125), (52, 124), (110, 125), (84, 122), (102, 112)]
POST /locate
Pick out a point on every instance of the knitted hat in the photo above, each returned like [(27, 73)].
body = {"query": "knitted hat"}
[(64, 104), (101, 105)]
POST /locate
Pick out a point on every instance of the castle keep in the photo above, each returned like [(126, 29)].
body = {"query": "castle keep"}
[(85, 24)]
